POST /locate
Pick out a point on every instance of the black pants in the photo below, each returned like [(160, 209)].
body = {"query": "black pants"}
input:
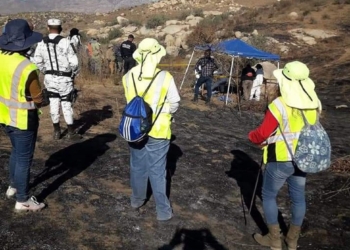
[(129, 63)]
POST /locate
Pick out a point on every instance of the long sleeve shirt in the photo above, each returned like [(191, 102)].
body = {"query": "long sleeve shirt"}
[(265, 130), (207, 66)]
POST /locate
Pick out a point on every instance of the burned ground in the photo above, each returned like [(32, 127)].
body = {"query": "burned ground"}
[(212, 170)]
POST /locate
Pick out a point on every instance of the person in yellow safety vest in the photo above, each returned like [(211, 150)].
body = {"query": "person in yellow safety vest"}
[(297, 94), (148, 158), (20, 98)]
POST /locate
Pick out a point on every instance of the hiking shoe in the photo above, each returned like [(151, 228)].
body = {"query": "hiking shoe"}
[(30, 205), (11, 192)]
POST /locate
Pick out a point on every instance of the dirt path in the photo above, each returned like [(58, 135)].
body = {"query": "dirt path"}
[(86, 187)]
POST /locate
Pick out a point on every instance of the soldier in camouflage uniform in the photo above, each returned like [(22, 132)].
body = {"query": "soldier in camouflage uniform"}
[(57, 60)]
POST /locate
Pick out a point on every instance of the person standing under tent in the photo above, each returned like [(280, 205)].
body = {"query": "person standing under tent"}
[(247, 78), (257, 83)]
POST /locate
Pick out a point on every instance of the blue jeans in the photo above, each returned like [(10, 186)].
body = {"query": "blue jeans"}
[(208, 81), (149, 162), (276, 174), (23, 145)]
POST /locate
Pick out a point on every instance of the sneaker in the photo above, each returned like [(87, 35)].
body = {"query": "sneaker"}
[(30, 205), (11, 192)]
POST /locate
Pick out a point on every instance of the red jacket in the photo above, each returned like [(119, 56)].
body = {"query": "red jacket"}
[(264, 131)]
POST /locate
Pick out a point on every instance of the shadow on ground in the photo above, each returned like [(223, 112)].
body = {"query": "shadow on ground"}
[(71, 161), (200, 239)]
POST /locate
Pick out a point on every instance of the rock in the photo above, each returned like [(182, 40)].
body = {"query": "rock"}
[(238, 34), (319, 34), (122, 20), (293, 15), (309, 40), (212, 12), (173, 29), (195, 21), (171, 22), (255, 33), (178, 42), (129, 29), (99, 22), (341, 106), (190, 17), (284, 48), (144, 31), (245, 39), (92, 32), (169, 40), (172, 50)]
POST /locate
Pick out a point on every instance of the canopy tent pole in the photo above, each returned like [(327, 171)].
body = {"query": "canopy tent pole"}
[(238, 94), (278, 64), (229, 81), (187, 70)]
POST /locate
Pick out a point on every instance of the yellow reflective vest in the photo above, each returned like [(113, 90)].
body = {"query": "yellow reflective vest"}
[(291, 123), (155, 97), (14, 72)]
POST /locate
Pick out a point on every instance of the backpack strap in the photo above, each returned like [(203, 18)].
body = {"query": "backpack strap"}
[(305, 120), (54, 41), (285, 140), (149, 85), (56, 72)]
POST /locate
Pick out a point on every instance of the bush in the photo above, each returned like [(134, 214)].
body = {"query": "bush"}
[(198, 12), (136, 23), (155, 21), (325, 16), (184, 14)]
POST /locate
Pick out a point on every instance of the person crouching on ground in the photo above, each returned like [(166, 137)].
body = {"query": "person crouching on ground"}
[(206, 67), (148, 158), (20, 98), (297, 95)]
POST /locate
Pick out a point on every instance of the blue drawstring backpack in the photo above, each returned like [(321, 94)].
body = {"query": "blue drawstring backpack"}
[(313, 151), (136, 121)]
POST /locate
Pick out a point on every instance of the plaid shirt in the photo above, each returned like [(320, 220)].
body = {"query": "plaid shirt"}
[(208, 66)]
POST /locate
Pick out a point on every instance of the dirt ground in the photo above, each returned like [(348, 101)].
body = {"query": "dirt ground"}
[(211, 174)]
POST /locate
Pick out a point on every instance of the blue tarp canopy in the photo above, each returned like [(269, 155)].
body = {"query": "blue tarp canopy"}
[(238, 48)]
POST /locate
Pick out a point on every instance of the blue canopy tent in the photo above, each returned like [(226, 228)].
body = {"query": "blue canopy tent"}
[(234, 48)]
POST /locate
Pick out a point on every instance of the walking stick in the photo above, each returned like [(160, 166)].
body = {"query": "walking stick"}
[(256, 185)]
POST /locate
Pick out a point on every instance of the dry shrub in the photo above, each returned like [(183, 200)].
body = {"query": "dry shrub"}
[(341, 165)]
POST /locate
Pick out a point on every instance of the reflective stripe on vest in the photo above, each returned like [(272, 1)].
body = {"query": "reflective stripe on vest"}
[(285, 126), (280, 150), (13, 102), (14, 105)]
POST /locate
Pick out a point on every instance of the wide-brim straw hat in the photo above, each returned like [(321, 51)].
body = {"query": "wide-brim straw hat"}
[(296, 87)]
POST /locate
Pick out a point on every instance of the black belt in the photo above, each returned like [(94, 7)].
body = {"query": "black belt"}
[(58, 73)]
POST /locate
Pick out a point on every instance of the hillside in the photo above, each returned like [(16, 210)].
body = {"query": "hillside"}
[(16, 6)]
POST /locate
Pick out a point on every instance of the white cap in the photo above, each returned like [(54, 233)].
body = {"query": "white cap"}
[(54, 22)]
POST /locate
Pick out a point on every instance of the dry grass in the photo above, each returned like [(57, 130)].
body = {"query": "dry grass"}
[(341, 165)]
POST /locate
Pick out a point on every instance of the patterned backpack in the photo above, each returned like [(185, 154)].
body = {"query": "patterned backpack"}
[(313, 151)]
